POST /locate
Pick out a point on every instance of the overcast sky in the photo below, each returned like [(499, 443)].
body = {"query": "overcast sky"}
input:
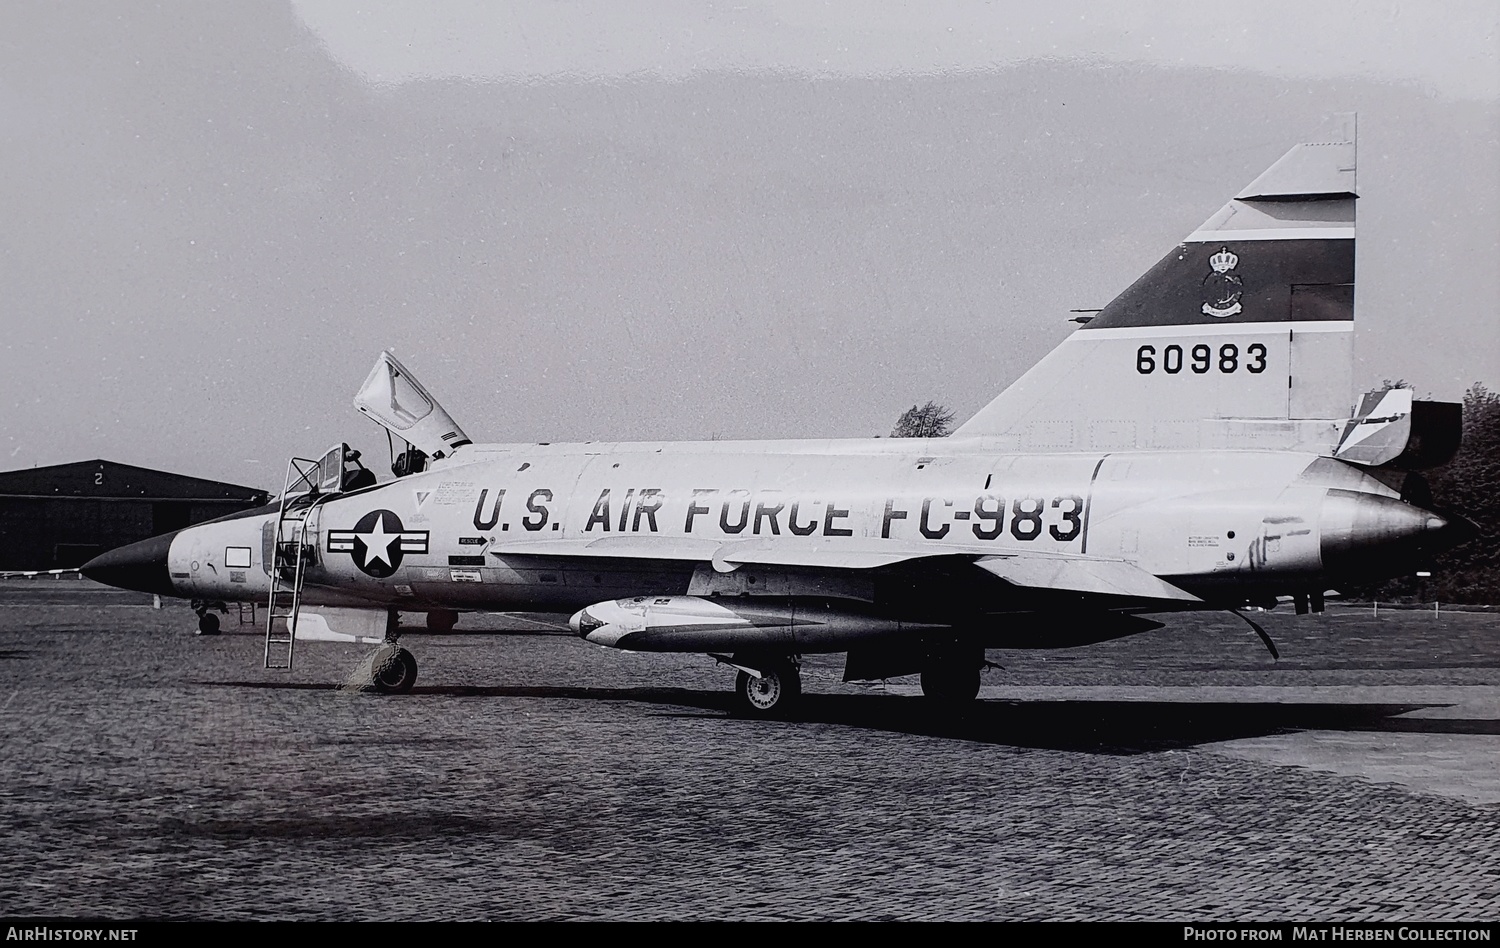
[(1449, 47), (675, 220)]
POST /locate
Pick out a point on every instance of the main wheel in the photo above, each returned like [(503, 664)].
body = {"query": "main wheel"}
[(953, 682), (773, 694), (441, 620), (208, 624), (394, 671)]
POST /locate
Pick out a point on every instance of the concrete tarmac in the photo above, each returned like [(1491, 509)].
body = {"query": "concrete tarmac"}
[(146, 772)]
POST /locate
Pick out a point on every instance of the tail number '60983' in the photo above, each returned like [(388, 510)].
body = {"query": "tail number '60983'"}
[(1201, 359)]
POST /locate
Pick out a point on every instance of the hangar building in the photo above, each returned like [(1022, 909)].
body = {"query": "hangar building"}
[(59, 517)]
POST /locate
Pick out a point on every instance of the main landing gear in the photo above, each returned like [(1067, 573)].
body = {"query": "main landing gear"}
[(770, 686), (950, 677), (766, 687), (393, 670)]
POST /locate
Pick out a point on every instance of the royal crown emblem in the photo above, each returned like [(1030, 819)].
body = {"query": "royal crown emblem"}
[(1221, 288)]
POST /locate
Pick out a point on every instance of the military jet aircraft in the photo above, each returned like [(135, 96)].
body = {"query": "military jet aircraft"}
[(1190, 447)]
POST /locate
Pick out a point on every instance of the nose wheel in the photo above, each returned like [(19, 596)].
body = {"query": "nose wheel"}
[(773, 694), (208, 623)]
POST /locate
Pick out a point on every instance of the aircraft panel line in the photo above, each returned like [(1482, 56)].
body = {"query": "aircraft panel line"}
[(1088, 505), (1271, 233), (1218, 329)]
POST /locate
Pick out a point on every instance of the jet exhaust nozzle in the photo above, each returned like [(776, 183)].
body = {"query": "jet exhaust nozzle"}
[(1364, 534)]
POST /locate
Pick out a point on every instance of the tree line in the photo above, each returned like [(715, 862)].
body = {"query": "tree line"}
[(1469, 486)]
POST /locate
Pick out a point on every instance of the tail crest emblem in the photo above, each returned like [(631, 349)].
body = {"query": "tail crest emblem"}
[(1222, 287)]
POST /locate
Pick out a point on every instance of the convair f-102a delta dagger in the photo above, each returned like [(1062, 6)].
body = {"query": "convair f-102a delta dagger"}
[(1190, 447)]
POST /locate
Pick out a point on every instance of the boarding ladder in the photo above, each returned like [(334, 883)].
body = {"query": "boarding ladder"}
[(308, 485)]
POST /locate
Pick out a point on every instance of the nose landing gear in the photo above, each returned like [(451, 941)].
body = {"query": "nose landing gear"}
[(208, 623)]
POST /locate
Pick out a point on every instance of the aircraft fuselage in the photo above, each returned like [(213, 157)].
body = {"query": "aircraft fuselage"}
[(559, 527)]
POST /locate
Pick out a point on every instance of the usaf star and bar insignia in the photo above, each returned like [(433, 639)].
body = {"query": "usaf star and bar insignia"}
[(377, 543)]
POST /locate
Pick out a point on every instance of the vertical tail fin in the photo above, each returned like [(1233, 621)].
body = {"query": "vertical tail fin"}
[(1242, 336)]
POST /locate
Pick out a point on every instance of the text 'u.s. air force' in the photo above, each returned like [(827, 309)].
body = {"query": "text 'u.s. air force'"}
[(712, 511)]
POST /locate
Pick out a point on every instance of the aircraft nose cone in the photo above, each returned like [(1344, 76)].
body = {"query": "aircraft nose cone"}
[(140, 566), (583, 622)]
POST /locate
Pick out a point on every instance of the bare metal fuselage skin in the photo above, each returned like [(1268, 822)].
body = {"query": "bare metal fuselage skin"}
[(1190, 446), (561, 527)]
